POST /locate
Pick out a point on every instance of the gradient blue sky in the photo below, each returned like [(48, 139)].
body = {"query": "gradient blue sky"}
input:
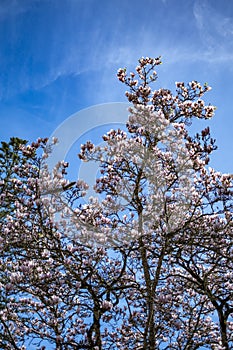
[(60, 56)]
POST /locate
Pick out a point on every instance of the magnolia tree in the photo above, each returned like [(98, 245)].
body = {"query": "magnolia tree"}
[(145, 264)]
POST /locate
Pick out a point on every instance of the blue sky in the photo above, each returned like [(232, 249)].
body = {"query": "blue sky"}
[(58, 57)]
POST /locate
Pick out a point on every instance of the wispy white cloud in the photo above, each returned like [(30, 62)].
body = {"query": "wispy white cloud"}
[(73, 38), (215, 30), (14, 7)]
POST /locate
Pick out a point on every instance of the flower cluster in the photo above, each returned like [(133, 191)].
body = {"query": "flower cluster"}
[(147, 262)]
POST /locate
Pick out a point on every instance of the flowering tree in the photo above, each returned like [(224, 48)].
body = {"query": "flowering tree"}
[(145, 265)]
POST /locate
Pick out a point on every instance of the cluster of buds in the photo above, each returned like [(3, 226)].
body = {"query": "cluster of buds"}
[(149, 60), (181, 107), (192, 90), (115, 135), (86, 148), (140, 93)]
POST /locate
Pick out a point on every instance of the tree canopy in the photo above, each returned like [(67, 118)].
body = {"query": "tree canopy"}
[(144, 265)]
